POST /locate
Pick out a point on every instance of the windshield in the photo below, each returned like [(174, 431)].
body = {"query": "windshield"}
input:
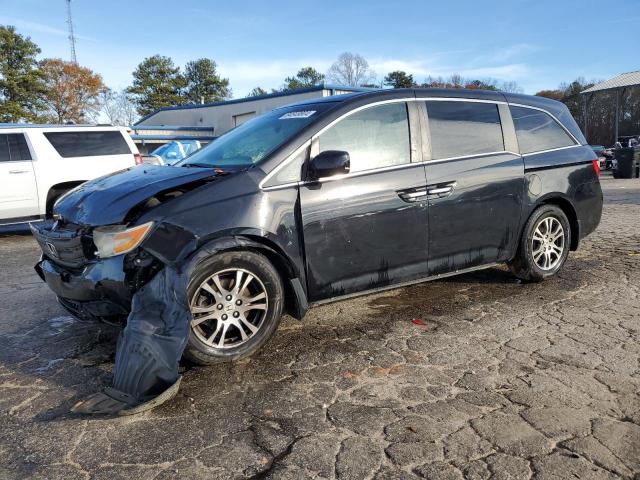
[(174, 151), (252, 141)]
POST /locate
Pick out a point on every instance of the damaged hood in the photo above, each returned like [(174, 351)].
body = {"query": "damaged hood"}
[(107, 200)]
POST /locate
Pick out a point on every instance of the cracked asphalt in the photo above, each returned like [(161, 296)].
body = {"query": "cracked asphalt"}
[(499, 380)]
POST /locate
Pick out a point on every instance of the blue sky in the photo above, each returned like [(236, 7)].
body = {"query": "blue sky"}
[(537, 43)]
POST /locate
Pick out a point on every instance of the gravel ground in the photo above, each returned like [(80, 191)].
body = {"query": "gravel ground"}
[(502, 380)]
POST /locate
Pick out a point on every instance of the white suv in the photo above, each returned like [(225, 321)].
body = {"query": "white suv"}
[(40, 163)]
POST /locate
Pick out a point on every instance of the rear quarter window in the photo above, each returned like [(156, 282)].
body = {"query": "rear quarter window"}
[(88, 144), (538, 131)]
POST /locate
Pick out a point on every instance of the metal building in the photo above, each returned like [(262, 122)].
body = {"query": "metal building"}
[(210, 120), (619, 85)]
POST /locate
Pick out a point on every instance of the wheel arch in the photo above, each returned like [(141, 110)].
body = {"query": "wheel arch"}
[(56, 190), (296, 303), (564, 204)]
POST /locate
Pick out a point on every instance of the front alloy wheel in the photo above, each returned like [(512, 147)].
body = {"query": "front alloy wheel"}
[(228, 308), (236, 301)]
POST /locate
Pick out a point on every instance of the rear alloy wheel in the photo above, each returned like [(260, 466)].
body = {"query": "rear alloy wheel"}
[(544, 245), (236, 305), (547, 244)]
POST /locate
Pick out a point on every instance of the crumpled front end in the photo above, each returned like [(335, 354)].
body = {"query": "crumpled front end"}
[(87, 286)]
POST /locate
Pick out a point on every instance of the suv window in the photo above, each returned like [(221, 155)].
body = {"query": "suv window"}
[(13, 147), (538, 131), (88, 144), (374, 137), (459, 129)]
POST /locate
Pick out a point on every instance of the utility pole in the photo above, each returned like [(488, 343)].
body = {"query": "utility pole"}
[(72, 38)]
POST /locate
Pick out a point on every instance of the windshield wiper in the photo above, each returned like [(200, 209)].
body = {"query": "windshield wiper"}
[(198, 165)]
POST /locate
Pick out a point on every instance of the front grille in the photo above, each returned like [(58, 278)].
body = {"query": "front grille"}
[(65, 244)]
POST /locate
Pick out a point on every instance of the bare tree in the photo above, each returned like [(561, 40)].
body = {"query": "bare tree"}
[(511, 87), (456, 80), (118, 107), (108, 102), (128, 111), (351, 69)]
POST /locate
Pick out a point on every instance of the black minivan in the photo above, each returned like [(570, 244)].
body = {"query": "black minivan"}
[(326, 199)]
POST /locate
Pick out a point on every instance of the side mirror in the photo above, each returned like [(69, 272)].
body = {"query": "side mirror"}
[(329, 163)]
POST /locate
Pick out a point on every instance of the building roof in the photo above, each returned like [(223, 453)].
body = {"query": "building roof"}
[(315, 88), (628, 79), (167, 133)]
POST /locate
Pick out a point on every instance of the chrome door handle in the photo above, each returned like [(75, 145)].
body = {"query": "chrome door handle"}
[(413, 194), (18, 171), (441, 190)]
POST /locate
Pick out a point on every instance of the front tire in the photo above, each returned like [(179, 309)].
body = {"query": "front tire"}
[(236, 301), (544, 245)]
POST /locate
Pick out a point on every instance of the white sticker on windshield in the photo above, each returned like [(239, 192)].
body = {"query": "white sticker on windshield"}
[(301, 114)]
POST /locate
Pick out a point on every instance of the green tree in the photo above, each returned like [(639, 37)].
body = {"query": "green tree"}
[(203, 83), (399, 79), (21, 79), (256, 92), (157, 83), (571, 96), (306, 77)]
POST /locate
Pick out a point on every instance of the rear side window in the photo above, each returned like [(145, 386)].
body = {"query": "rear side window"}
[(538, 131), (374, 137), (88, 144), (13, 147), (460, 129)]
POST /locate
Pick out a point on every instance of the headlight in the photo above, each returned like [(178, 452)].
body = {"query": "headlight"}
[(118, 239)]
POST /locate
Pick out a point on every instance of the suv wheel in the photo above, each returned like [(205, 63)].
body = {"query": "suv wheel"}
[(236, 301), (544, 245)]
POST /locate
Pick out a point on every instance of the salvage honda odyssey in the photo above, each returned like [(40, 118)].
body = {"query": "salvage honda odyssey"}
[(326, 199)]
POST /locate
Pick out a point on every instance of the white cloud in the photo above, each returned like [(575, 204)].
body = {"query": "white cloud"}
[(421, 69), (40, 28)]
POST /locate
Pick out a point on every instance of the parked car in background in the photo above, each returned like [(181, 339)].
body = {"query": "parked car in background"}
[(629, 140), (605, 156), (40, 163), (172, 152), (326, 199)]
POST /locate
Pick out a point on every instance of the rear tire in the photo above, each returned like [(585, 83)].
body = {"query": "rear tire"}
[(236, 299), (544, 245)]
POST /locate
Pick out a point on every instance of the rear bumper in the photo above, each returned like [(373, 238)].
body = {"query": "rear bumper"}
[(99, 289)]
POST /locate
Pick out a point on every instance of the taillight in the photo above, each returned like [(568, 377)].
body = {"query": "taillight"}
[(138, 158), (596, 166)]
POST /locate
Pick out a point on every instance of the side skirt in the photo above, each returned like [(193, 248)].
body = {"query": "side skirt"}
[(403, 284), (7, 222)]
